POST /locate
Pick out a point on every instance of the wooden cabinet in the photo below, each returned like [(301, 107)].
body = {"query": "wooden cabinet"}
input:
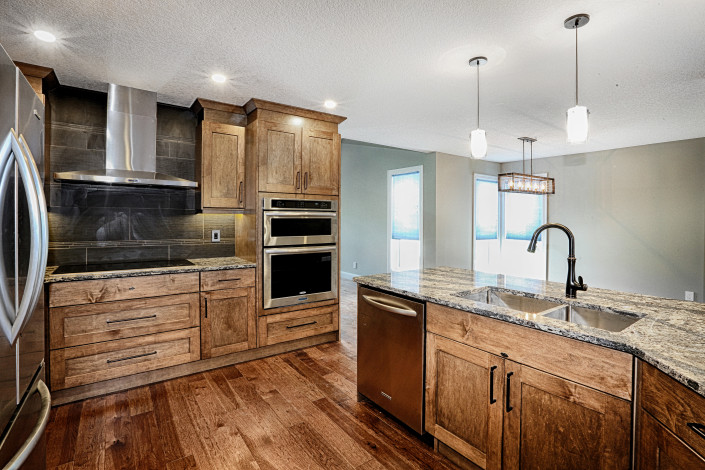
[(464, 400), (279, 157), (228, 321), (222, 166), (507, 396), (550, 422), (297, 324), (671, 423), (320, 162)]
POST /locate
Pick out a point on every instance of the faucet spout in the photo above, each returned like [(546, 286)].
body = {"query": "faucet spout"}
[(571, 286)]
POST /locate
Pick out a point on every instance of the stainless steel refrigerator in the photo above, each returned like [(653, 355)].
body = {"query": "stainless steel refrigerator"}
[(25, 401)]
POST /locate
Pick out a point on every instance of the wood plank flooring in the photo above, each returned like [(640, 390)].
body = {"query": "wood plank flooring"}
[(294, 411)]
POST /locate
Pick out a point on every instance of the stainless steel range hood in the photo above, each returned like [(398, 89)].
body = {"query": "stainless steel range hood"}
[(130, 144)]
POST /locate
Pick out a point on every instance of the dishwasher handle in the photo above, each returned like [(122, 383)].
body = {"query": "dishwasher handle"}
[(379, 303)]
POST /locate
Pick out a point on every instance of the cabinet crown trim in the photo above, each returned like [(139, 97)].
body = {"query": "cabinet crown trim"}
[(255, 103)]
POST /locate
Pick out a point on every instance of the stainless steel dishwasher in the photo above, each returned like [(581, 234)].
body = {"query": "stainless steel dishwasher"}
[(390, 354)]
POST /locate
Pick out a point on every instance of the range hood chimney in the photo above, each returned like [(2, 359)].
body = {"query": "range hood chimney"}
[(130, 144)]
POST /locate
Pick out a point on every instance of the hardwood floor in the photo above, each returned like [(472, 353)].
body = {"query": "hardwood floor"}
[(294, 411)]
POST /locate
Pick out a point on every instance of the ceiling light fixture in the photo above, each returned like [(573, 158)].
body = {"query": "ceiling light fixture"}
[(330, 104), (577, 116), (217, 77), (523, 182), (45, 36), (478, 139)]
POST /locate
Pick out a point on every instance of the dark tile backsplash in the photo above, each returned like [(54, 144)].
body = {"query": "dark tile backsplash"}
[(103, 223)]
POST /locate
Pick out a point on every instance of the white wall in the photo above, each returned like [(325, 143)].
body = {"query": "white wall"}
[(454, 204), (638, 215), (363, 204)]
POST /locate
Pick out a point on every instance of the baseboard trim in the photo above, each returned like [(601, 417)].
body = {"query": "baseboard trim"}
[(347, 276)]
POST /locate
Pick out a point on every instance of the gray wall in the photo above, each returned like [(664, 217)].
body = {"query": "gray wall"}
[(638, 215), (454, 207), (364, 204), (101, 223)]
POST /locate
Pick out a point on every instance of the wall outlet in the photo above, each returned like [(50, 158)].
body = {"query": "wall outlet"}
[(354, 264), (690, 295), (215, 236)]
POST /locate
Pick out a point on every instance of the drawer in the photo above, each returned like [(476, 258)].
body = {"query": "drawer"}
[(91, 323), (227, 279), (123, 288), (81, 365), (604, 369), (289, 326), (673, 404)]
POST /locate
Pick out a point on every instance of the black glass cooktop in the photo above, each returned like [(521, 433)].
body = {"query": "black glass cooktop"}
[(90, 268)]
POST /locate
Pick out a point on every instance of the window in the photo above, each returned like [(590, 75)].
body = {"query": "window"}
[(503, 226), (405, 219)]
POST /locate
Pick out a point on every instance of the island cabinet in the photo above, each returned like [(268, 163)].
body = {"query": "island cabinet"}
[(297, 150), (228, 314), (220, 156), (507, 396), (670, 423)]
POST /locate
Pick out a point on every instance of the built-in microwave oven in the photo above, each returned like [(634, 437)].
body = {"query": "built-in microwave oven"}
[(288, 222), (299, 274)]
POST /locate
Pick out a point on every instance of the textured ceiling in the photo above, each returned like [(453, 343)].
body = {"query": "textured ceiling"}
[(398, 69)]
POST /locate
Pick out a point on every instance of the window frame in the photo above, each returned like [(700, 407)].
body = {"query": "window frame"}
[(390, 174)]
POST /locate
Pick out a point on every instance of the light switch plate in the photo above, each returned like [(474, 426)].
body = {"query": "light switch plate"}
[(215, 236)]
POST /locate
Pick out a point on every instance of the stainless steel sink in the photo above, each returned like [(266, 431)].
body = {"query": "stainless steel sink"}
[(610, 321), (506, 299)]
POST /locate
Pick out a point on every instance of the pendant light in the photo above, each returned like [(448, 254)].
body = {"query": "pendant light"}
[(577, 116), (478, 139), (523, 182)]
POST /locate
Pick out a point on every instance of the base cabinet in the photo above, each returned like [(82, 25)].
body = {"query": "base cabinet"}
[(498, 413), (228, 321), (660, 449)]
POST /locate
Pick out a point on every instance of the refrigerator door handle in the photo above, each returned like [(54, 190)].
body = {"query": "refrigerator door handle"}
[(31, 442), (11, 148), (7, 298), (44, 232)]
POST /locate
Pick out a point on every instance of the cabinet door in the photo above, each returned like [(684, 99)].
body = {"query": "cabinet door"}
[(464, 400), (553, 423), (223, 166), (660, 449), (279, 157), (321, 162), (228, 321)]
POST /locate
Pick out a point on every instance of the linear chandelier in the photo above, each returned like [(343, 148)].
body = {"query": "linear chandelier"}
[(523, 182)]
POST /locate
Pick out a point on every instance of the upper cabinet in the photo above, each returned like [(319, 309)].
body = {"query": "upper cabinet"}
[(297, 150), (220, 151)]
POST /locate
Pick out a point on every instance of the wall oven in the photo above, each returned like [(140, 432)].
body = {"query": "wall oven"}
[(300, 251)]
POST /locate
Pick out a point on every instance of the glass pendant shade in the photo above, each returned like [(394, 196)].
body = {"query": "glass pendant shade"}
[(478, 144), (577, 124)]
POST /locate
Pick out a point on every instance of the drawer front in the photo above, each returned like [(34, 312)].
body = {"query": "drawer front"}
[(289, 326), (601, 368), (81, 365), (227, 279), (124, 288), (674, 405), (92, 323)]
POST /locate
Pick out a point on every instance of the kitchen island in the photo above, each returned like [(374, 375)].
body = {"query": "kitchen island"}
[(576, 390)]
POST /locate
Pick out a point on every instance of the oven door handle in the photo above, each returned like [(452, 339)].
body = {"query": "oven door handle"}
[(301, 249), (380, 304), (300, 214)]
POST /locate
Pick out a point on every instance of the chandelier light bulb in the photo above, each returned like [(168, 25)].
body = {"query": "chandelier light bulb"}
[(478, 144)]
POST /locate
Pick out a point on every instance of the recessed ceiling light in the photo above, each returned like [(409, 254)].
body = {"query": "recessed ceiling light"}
[(330, 104), (45, 36), (218, 78)]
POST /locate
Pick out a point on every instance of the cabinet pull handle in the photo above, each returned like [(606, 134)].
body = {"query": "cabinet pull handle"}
[(298, 179), (698, 429), (492, 398), (240, 199), (509, 391), (303, 324), (206, 309), (231, 279), (131, 288), (130, 319), (306, 180), (110, 361)]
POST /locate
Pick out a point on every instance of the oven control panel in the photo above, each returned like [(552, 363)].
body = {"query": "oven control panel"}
[(299, 204)]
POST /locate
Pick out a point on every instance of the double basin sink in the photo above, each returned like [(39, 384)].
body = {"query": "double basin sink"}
[(533, 308)]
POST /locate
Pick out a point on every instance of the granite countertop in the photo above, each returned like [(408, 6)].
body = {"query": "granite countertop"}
[(670, 334), (202, 264)]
